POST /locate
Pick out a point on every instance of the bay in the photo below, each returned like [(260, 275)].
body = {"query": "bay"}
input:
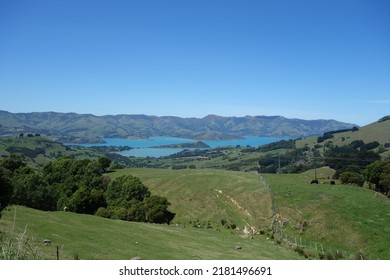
[(144, 147)]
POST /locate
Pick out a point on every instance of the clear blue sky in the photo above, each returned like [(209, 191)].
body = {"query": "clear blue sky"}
[(313, 59)]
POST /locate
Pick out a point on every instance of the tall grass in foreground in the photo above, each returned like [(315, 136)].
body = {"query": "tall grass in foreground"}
[(17, 248)]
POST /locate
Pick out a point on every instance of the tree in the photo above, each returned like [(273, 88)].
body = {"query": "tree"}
[(13, 163), (125, 190), (156, 210), (349, 177), (104, 163), (86, 201), (378, 173), (31, 190), (5, 188)]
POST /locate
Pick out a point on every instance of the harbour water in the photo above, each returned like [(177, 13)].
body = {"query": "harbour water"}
[(144, 147)]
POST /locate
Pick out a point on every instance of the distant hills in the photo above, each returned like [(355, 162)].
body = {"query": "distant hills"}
[(87, 128)]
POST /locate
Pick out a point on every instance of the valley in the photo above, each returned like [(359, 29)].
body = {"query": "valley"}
[(260, 199)]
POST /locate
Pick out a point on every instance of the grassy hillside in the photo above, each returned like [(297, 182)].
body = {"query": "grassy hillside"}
[(322, 218), (90, 237), (350, 219), (378, 131), (205, 197), (38, 150)]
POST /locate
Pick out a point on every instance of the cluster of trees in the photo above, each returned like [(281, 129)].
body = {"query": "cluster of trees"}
[(5, 189), (292, 161), (355, 163), (79, 186), (330, 134), (378, 174), (129, 199), (350, 161), (358, 163)]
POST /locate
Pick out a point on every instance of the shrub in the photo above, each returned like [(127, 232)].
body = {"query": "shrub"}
[(351, 178), (102, 212), (122, 190)]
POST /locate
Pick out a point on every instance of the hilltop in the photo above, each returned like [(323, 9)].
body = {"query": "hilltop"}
[(87, 128), (378, 131)]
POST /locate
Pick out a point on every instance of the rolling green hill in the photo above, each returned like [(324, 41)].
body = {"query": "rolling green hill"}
[(39, 150), (202, 198), (350, 219), (321, 219), (378, 131), (346, 218), (89, 237)]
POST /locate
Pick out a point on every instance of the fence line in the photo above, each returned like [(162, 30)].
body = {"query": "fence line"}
[(292, 241)]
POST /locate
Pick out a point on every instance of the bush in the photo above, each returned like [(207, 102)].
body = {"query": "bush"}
[(156, 210), (5, 189), (122, 190), (102, 212), (351, 178)]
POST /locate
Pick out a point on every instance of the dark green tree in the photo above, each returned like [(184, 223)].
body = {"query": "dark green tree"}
[(156, 210), (104, 163), (12, 163), (378, 173), (32, 190), (6, 189), (349, 177), (125, 190), (86, 200)]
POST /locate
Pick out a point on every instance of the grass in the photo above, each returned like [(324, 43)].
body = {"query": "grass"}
[(373, 132), (200, 197), (336, 219), (38, 150), (90, 237), (350, 219)]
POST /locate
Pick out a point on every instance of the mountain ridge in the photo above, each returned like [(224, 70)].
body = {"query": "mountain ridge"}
[(89, 128)]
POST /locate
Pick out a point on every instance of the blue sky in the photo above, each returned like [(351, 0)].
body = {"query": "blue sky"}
[(309, 59)]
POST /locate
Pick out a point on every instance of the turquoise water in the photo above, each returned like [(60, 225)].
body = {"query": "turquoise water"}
[(142, 148)]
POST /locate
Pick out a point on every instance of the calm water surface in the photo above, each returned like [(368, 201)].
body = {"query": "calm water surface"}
[(142, 148)]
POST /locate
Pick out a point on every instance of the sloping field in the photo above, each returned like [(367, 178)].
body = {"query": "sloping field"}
[(348, 219), (90, 237), (206, 197), (378, 131)]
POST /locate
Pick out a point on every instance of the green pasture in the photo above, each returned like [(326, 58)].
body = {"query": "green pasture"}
[(205, 197), (90, 237), (350, 219)]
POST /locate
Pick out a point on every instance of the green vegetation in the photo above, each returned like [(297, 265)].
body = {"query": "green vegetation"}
[(78, 186), (6, 189), (89, 237), (378, 174), (38, 151), (194, 145), (378, 131), (355, 221), (338, 211), (204, 198)]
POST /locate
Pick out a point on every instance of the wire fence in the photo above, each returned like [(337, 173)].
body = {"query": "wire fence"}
[(303, 246)]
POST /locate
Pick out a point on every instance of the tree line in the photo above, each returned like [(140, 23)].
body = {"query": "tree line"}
[(356, 163), (80, 186)]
